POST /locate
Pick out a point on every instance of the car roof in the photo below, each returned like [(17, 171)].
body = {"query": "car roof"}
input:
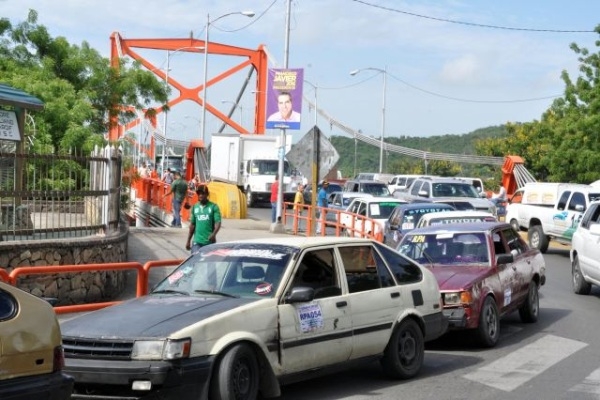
[(411, 206), (466, 227), (303, 242), (460, 213)]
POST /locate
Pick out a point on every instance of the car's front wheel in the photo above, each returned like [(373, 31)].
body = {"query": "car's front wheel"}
[(580, 285), (236, 375), (538, 239), (404, 353), (530, 310), (489, 323)]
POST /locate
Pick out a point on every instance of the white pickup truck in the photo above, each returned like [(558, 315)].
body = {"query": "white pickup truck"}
[(545, 219)]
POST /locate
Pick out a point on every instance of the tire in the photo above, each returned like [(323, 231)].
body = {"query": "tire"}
[(538, 239), (249, 198), (530, 310), (236, 375), (580, 285), (488, 330), (404, 353), (515, 225)]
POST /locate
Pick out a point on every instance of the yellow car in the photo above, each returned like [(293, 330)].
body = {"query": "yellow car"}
[(31, 354)]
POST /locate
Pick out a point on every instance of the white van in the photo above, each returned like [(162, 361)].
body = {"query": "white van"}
[(476, 182), (401, 182)]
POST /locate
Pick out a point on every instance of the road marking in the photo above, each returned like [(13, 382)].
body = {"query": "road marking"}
[(526, 363), (591, 384)]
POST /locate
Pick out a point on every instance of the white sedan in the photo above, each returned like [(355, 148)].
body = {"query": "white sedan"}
[(585, 251), (238, 319), (367, 216)]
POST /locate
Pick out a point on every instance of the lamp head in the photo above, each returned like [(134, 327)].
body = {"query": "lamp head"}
[(248, 13), (356, 71)]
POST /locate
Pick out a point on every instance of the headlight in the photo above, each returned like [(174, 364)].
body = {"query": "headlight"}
[(161, 349), (457, 298)]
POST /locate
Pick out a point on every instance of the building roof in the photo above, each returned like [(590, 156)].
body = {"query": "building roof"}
[(18, 98)]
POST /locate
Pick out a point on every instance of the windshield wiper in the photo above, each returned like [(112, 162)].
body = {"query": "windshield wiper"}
[(216, 292), (428, 257), (171, 291)]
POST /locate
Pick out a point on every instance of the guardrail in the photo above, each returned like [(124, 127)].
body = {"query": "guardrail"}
[(359, 226), (142, 285)]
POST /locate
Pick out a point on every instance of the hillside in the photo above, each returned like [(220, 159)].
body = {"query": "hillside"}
[(365, 158)]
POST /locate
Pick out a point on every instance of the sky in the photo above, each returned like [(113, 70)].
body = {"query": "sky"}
[(452, 66)]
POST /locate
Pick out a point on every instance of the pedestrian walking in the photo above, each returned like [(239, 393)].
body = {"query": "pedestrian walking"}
[(205, 221), (167, 176), (322, 204), (298, 203), (274, 193), (179, 190)]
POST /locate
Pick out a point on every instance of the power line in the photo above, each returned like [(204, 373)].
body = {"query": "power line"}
[(508, 28)]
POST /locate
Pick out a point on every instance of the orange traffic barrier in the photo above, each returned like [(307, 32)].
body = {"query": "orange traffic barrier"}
[(4, 276), (142, 280)]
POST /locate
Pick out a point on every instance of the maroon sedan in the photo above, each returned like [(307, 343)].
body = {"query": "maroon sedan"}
[(484, 270)]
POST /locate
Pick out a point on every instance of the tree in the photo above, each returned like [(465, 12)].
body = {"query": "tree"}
[(80, 89)]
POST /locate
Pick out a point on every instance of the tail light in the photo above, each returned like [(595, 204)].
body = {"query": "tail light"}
[(58, 362)]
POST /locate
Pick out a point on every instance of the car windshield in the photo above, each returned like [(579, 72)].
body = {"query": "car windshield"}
[(381, 209), (446, 248), (230, 269), (375, 189), (454, 189)]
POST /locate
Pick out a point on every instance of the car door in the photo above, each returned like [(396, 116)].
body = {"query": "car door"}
[(522, 267), (560, 218), (346, 218), (373, 296), (316, 333), (589, 244), (506, 274)]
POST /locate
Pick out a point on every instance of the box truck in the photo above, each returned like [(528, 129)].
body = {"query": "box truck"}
[(251, 162)]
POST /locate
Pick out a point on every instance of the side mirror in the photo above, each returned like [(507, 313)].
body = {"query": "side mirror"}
[(504, 259), (300, 294)]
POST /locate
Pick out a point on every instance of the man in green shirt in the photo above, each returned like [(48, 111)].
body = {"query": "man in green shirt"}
[(205, 221), (179, 190)]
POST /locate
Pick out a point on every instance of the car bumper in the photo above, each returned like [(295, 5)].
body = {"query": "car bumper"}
[(435, 325), (56, 386), (458, 318), (104, 379)]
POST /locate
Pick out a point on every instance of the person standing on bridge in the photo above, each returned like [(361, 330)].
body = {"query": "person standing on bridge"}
[(205, 222), (274, 194), (179, 190)]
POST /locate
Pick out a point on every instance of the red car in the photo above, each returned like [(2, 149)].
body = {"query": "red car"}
[(485, 271)]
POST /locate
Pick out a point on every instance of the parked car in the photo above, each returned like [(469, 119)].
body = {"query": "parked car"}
[(455, 217), (307, 193), (238, 318), (406, 217), (31, 354), (375, 188), (585, 251), (372, 213), (446, 190), (401, 182), (485, 271), (339, 201)]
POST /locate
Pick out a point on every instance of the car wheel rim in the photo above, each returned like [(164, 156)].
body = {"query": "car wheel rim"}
[(535, 240), (491, 321), (241, 380), (407, 348)]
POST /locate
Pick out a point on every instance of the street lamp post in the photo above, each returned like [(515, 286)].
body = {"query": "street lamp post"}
[(384, 73), (236, 105), (169, 54), (205, 87), (314, 87)]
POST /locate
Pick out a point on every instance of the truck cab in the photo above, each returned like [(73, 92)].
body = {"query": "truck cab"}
[(257, 177)]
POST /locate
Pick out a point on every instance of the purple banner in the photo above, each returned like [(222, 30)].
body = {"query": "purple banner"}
[(284, 98)]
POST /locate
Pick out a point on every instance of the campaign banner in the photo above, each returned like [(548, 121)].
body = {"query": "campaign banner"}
[(284, 98)]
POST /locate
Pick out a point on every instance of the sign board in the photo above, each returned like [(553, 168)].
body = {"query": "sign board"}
[(301, 154), (9, 129), (284, 98)]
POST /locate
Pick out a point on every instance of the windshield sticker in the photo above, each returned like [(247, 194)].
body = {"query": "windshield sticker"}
[(464, 220), (263, 289), (258, 253), (408, 225), (374, 208), (444, 236), (417, 239), (310, 317), (175, 276)]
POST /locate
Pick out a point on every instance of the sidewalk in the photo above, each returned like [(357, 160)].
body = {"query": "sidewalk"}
[(150, 244)]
